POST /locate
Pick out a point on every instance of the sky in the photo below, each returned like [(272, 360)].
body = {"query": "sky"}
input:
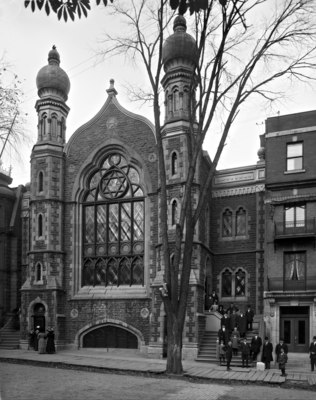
[(25, 40)]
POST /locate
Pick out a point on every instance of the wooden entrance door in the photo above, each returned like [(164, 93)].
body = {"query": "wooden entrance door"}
[(294, 329)]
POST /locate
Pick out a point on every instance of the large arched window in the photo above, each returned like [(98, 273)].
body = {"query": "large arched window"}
[(113, 226)]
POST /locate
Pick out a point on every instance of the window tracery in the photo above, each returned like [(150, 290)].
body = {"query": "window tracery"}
[(113, 226)]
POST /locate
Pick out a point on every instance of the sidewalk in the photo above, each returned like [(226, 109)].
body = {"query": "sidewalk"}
[(130, 362)]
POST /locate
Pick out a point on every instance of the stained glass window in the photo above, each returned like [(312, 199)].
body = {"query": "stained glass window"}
[(241, 222), (113, 225), (226, 283), (227, 224), (240, 283)]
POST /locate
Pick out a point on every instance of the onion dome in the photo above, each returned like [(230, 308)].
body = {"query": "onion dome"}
[(52, 80), (180, 44)]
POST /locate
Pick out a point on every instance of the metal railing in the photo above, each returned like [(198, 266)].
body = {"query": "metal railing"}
[(305, 227), (281, 284)]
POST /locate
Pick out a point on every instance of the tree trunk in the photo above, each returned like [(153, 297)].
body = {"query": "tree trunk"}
[(174, 346)]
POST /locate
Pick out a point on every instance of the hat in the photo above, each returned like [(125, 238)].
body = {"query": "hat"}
[(281, 340)]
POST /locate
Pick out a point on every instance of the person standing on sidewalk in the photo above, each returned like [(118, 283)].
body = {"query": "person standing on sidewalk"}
[(50, 344), (235, 338), (281, 345), (229, 355), (41, 342), (282, 360), (267, 351), (312, 353), (245, 352), (256, 343)]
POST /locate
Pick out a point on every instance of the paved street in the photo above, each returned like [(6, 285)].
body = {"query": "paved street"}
[(31, 382)]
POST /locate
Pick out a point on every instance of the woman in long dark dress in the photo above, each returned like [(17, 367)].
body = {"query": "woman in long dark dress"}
[(50, 345), (41, 342)]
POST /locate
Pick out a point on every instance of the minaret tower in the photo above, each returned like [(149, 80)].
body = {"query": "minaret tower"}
[(43, 289), (179, 56)]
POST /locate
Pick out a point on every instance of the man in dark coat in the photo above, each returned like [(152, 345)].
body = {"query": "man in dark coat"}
[(278, 347), (312, 353), (267, 351), (249, 316), (256, 343), (229, 354), (245, 352), (242, 324), (233, 320), (223, 335), (225, 321)]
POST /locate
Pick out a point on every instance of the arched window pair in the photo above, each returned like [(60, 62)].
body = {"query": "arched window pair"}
[(234, 224), (113, 225), (233, 283)]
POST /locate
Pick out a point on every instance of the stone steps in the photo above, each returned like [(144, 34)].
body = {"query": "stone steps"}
[(9, 338)]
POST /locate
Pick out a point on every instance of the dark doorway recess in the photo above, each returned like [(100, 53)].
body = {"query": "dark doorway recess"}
[(294, 328), (110, 337)]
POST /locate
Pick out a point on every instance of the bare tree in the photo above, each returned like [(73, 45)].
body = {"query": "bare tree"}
[(244, 48), (12, 134)]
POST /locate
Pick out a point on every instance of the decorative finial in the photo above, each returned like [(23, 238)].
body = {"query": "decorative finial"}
[(53, 56), (111, 91)]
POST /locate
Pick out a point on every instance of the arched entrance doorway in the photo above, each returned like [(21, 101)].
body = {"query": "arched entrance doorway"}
[(39, 316), (110, 336)]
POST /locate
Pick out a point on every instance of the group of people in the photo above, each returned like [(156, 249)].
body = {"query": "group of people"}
[(43, 342), (250, 351)]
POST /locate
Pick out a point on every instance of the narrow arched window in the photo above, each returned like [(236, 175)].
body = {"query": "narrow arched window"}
[(40, 181), (61, 127), (43, 125), (176, 100), (54, 126), (38, 271), (241, 222), (40, 225), (174, 163), (240, 283), (174, 212), (227, 223), (227, 282)]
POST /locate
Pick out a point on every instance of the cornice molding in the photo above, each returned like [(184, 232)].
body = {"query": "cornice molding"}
[(238, 191)]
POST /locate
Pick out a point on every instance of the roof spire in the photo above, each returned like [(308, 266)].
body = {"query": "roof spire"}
[(111, 91)]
